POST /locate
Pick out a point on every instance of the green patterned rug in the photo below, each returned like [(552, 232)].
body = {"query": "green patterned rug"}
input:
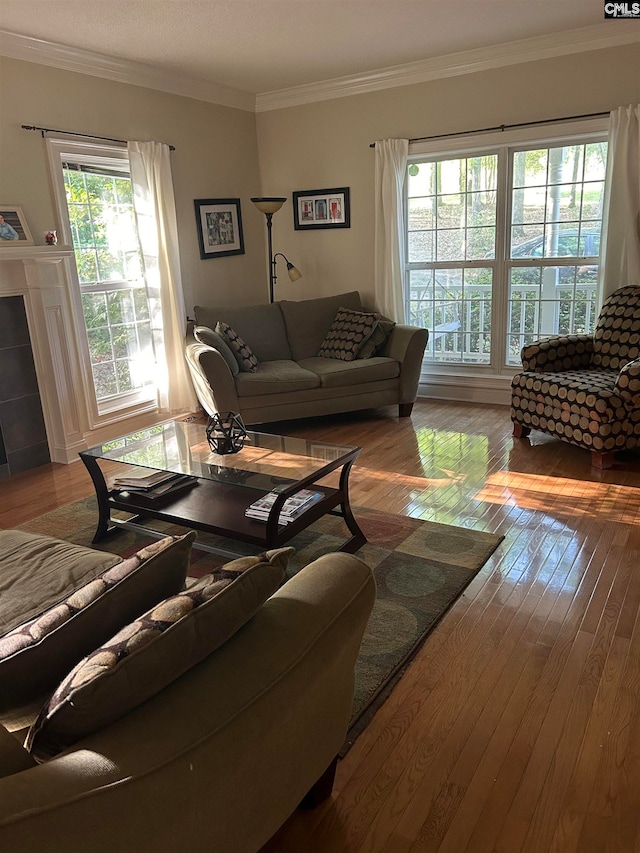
[(420, 568)]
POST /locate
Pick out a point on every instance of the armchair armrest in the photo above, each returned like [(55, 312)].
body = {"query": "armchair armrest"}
[(558, 353), (407, 345), (628, 384)]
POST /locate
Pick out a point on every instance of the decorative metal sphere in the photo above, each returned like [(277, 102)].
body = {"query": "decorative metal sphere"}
[(226, 433)]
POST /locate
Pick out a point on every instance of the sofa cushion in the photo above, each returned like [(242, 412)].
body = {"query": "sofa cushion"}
[(347, 334), (13, 756), (261, 326), (243, 353), (38, 571), (205, 335), (276, 377), (333, 373), (36, 654), (309, 320), (378, 338), (154, 650)]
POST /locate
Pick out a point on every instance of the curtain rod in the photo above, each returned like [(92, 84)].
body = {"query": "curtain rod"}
[(44, 130), (502, 127)]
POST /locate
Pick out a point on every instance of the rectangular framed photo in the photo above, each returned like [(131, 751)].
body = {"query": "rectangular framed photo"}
[(321, 209), (13, 226), (219, 224)]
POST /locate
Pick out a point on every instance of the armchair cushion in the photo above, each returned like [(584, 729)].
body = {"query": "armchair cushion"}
[(617, 333), (13, 756), (558, 352)]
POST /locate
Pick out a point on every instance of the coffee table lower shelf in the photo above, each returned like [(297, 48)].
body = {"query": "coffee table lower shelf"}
[(219, 509)]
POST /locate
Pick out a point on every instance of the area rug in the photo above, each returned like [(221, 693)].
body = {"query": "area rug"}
[(420, 567)]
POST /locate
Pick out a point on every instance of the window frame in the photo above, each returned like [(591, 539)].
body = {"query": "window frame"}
[(123, 405), (502, 143)]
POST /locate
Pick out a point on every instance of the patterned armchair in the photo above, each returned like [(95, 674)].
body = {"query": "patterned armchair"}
[(585, 389)]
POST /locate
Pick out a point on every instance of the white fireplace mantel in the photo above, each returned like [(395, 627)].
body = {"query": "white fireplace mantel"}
[(40, 274)]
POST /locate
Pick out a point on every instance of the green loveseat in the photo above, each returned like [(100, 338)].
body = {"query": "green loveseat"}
[(291, 380), (220, 758)]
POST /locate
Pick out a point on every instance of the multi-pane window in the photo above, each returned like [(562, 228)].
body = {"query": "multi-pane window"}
[(451, 229), (502, 248), (112, 287), (556, 218)]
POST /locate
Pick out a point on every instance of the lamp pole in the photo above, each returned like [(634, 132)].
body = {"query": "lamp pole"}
[(272, 260)]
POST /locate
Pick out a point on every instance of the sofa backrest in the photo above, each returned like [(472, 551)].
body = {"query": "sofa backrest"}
[(309, 320), (616, 339), (260, 326)]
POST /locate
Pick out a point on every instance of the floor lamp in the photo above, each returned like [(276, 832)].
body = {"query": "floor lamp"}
[(269, 206)]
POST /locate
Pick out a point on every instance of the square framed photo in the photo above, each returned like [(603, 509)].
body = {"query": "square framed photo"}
[(13, 226), (321, 209), (219, 224)]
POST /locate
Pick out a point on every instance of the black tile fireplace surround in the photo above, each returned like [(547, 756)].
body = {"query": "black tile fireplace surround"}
[(23, 438)]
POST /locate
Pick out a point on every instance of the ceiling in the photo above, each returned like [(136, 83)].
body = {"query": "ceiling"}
[(258, 46)]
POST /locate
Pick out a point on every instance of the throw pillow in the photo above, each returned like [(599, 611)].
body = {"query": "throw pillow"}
[(36, 655), (205, 335), (13, 756), (348, 332), (378, 339), (154, 650), (242, 351)]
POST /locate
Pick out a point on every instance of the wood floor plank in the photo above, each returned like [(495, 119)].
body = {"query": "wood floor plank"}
[(517, 725)]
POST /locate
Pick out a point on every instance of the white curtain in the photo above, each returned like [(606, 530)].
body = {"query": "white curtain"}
[(158, 231), (390, 176), (621, 245)]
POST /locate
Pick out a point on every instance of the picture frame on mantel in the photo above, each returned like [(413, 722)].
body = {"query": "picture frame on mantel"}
[(315, 209), (219, 225), (14, 230)]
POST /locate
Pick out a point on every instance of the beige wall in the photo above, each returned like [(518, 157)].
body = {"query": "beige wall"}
[(215, 157), (327, 145)]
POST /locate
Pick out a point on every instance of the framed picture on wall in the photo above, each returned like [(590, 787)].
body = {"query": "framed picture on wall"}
[(219, 225), (13, 226), (321, 209)]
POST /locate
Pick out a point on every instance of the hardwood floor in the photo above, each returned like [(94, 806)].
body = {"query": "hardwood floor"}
[(517, 726)]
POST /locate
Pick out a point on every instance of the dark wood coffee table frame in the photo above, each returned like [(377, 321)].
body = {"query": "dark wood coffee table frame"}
[(219, 508)]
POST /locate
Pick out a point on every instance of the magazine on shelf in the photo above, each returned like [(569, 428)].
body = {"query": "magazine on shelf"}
[(157, 488), (292, 508), (146, 480)]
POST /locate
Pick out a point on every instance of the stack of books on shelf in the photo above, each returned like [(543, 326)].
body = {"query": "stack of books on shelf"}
[(153, 484), (292, 508)]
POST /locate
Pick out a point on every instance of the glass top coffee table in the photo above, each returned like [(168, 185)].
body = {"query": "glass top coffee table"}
[(222, 486)]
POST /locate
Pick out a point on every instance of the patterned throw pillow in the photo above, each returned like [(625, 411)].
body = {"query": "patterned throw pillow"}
[(154, 650), (378, 339), (36, 655), (348, 332), (242, 351)]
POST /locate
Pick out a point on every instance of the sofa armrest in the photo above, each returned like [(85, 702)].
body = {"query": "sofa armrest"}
[(557, 353), (263, 715), (407, 344), (628, 384), (212, 380)]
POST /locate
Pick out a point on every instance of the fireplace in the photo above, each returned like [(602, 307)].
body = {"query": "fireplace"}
[(23, 435), (40, 417)]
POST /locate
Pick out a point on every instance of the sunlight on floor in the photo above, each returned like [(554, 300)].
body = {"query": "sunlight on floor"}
[(562, 496)]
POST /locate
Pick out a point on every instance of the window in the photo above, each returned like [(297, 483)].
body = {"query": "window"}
[(502, 248), (112, 306)]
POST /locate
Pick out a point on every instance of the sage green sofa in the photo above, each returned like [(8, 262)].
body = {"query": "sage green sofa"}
[(220, 758), (291, 380)]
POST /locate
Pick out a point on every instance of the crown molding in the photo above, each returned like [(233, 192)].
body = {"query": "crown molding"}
[(595, 37), (16, 46)]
